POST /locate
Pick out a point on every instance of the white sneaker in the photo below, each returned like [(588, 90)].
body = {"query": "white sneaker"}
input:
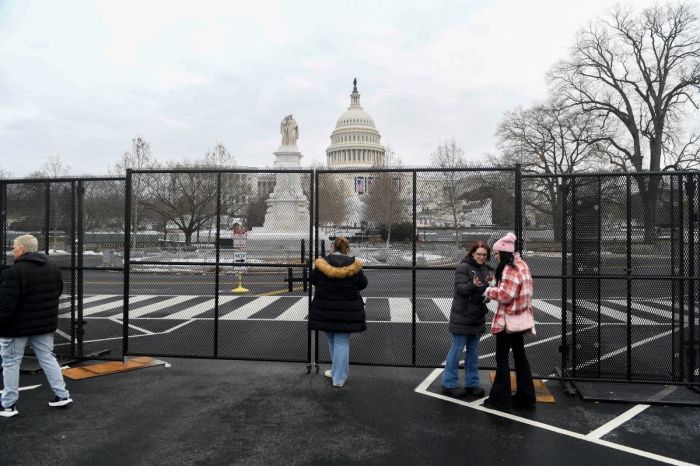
[(9, 412), (328, 374), (60, 401)]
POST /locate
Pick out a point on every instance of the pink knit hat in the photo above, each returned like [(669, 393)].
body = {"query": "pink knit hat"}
[(505, 244)]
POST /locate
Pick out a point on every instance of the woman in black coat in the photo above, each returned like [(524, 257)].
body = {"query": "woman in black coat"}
[(337, 307), (467, 320)]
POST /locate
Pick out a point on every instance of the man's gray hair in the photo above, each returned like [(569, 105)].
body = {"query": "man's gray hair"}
[(28, 242)]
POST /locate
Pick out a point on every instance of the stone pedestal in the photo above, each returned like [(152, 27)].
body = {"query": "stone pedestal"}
[(287, 218)]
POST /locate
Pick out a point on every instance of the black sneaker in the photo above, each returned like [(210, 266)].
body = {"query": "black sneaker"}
[(477, 392), (457, 392), (58, 402), (9, 412)]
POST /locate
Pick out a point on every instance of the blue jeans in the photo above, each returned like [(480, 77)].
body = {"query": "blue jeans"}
[(12, 351), (339, 347), (450, 377)]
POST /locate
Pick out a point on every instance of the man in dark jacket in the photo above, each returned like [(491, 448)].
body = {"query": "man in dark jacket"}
[(29, 295)]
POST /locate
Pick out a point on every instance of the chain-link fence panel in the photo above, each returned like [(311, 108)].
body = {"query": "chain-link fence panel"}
[(238, 242), (625, 240)]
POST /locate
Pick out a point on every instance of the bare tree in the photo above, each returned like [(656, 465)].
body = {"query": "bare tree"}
[(386, 201), (219, 157), (139, 158), (683, 155), (551, 140), (188, 199), (449, 157), (641, 72), (332, 199), (53, 167)]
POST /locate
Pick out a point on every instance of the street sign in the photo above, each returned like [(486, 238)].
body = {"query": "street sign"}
[(239, 236), (240, 257)]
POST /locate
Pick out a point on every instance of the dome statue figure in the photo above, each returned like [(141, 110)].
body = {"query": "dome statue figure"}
[(289, 130)]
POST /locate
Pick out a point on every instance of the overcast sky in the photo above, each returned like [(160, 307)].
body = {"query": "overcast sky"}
[(80, 79)]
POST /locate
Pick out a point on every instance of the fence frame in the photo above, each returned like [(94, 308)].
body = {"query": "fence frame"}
[(684, 279)]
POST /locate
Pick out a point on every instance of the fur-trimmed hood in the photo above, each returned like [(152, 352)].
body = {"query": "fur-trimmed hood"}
[(338, 266)]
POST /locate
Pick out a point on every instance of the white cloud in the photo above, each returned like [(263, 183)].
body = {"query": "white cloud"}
[(82, 78)]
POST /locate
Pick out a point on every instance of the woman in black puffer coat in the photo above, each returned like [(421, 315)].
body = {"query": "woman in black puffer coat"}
[(467, 320), (337, 307)]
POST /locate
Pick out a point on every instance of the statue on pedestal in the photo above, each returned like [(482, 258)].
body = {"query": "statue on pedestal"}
[(289, 130)]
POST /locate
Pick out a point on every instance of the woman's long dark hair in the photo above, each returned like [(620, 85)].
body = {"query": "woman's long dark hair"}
[(504, 258)]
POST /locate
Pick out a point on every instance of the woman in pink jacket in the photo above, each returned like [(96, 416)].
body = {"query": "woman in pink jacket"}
[(513, 292)]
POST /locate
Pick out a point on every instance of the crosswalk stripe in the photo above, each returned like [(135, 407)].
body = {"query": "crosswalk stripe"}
[(400, 309), (90, 299), (136, 313), (445, 305), (250, 308), (645, 308), (613, 313), (547, 308), (296, 311), (88, 311), (193, 311)]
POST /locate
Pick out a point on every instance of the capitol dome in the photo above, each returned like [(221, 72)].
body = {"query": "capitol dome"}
[(355, 142)]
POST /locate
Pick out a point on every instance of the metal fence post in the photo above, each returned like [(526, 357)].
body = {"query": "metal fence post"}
[(629, 276), (47, 216), (574, 271), (3, 224), (218, 262), (127, 259), (518, 195), (413, 277), (692, 269), (73, 254), (313, 253), (81, 278), (564, 281)]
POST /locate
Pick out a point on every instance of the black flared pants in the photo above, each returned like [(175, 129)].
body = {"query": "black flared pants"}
[(501, 390)]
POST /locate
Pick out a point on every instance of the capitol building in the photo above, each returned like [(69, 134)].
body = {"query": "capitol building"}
[(355, 142)]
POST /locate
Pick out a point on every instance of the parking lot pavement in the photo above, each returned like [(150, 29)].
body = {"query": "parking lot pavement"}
[(241, 412)]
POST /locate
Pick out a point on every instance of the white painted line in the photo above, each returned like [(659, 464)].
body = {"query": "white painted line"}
[(87, 300), (664, 393), (613, 313), (96, 340), (541, 341), (90, 310), (28, 387), (136, 313), (143, 330), (63, 334), (624, 349), (445, 305), (200, 308), (422, 389), (296, 311), (250, 308), (617, 422), (400, 309), (644, 308), (547, 308), (569, 316)]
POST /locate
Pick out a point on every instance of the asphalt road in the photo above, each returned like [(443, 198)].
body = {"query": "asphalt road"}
[(546, 270)]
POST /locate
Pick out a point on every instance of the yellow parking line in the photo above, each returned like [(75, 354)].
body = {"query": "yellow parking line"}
[(286, 290)]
